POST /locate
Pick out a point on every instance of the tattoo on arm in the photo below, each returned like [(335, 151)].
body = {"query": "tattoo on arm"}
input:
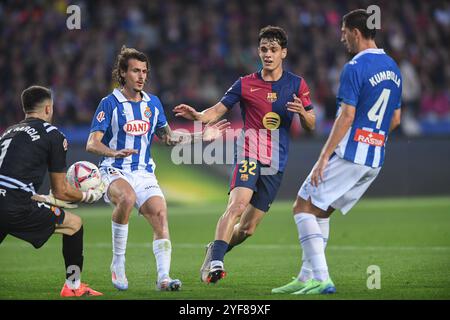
[(164, 134)]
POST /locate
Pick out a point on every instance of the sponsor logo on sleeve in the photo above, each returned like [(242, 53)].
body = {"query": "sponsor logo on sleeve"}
[(101, 116)]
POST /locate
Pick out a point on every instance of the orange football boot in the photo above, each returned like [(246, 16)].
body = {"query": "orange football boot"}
[(83, 290)]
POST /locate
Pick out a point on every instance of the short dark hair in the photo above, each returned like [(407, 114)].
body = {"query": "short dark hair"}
[(122, 62), (274, 33), (357, 19), (34, 95)]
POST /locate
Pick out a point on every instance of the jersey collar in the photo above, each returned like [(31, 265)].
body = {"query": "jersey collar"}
[(259, 75), (119, 96), (370, 50)]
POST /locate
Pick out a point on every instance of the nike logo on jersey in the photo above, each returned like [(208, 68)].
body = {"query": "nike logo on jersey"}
[(254, 89)]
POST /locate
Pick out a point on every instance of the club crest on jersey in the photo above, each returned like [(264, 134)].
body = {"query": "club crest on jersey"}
[(147, 112), (244, 177), (56, 211), (136, 127), (101, 116), (271, 96), (271, 120)]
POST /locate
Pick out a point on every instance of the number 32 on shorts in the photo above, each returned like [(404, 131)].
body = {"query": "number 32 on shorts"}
[(248, 167)]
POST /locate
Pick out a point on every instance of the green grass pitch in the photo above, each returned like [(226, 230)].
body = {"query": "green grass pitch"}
[(409, 239)]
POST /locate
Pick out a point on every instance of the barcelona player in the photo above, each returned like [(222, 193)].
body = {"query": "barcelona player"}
[(269, 100), (368, 101)]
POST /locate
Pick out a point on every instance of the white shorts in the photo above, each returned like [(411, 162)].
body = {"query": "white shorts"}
[(344, 184), (144, 183)]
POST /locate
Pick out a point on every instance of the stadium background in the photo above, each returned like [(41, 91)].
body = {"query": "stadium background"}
[(197, 49)]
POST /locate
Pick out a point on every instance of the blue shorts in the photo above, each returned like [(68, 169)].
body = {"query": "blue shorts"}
[(247, 174)]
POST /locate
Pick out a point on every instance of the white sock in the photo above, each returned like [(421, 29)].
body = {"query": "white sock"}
[(324, 225), (119, 242), (216, 263), (73, 284), (162, 249), (311, 240), (306, 270)]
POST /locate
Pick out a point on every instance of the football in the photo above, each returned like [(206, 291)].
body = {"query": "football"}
[(84, 175)]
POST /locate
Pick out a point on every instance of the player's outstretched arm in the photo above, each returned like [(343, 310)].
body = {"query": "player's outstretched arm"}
[(211, 114), (340, 127), (96, 146), (210, 132)]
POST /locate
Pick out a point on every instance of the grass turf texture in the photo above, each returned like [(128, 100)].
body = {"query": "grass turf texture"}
[(409, 239)]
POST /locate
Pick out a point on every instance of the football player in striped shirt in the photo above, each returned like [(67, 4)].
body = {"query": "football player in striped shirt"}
[(368, 103), (122, 131)]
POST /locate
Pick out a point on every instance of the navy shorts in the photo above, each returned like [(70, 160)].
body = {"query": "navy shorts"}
[(247, 174)]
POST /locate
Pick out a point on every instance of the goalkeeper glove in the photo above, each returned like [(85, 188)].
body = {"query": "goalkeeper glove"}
[(93, 195), (50, 199)]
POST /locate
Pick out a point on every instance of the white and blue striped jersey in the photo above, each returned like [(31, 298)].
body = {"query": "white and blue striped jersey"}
[(372, 83), (129, 125)]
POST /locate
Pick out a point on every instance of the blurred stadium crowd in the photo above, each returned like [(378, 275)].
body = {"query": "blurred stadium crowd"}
[(197, 49)]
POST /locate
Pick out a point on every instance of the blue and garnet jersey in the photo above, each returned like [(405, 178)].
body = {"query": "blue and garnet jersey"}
[(265, 136), (372, 83), (129, 125)]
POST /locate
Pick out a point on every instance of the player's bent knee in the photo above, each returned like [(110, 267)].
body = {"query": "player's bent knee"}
[(159, 214), (72, 223), (298, 206), (126, 201), (247, 229), (236, 209), (247, 232)]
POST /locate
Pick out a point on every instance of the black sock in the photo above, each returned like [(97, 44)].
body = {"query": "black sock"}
[(219, 249), (73, 254), (229, 248)]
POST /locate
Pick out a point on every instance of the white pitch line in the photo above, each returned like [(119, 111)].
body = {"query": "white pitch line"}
[(108, 245)]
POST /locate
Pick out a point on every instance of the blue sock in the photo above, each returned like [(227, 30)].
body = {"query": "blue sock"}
[(219, 249)]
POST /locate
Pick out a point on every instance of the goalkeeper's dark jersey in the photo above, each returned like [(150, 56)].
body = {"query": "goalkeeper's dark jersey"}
[(27, 150)]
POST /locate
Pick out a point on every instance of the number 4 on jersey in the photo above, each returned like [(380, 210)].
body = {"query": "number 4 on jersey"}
[(376, 113)]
